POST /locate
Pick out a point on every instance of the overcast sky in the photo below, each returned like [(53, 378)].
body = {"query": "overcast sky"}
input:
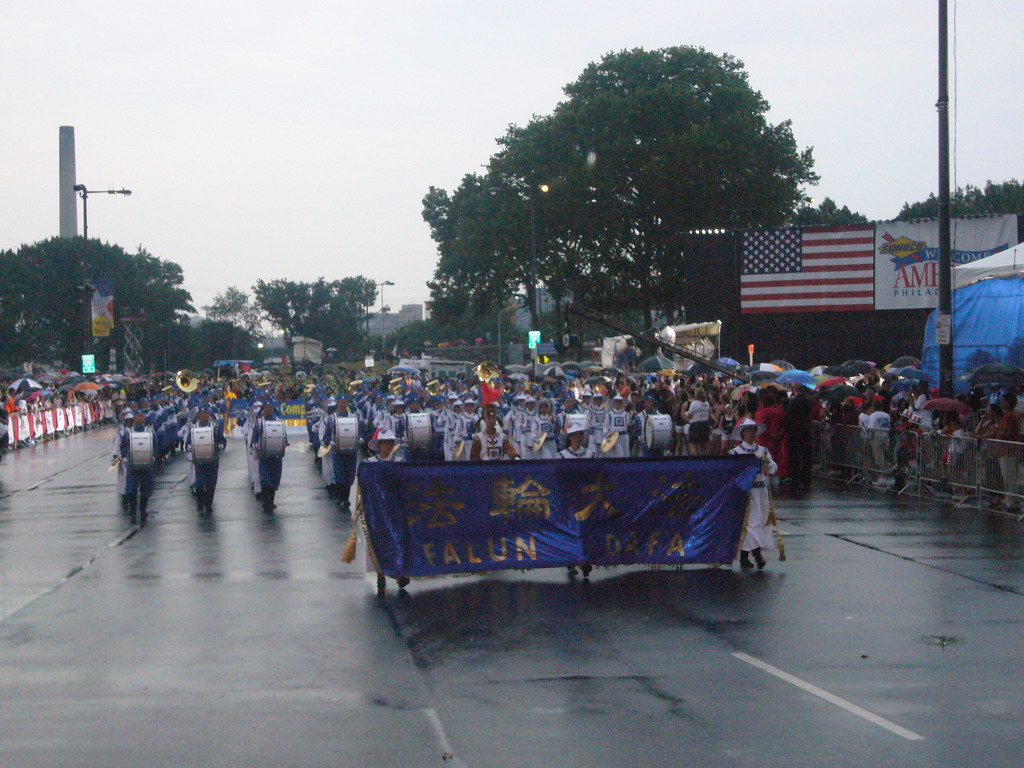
[(266, 140)]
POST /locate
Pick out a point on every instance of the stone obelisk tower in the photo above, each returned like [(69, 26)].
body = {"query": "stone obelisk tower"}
[(68, 179)]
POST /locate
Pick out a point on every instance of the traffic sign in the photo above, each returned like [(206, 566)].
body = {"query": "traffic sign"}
[(534, 337), (88, 363), (547, 349)]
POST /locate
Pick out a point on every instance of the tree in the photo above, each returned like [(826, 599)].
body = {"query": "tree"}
[(45, 297), (1005, 197), (330, 312), (648, 146), (827, 213), (235, 306)]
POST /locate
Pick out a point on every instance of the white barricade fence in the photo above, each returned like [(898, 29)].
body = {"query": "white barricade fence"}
[(54, 422)]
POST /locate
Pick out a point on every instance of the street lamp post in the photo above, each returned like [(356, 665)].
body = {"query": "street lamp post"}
[(380, 286), (84, 193)]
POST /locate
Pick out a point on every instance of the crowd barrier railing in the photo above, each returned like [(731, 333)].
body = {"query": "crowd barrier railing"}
[(967, 471), (54, 422)]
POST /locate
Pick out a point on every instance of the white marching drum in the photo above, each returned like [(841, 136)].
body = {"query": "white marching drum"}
[(272, 440), (140, 449), (418, 430), (658, 432), (346, 433), (204, 448)]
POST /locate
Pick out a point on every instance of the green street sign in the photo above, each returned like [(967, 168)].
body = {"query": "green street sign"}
[(88, 363), (534, 338)]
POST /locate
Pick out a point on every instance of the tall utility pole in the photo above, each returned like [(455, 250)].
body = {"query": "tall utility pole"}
[(944, 317)]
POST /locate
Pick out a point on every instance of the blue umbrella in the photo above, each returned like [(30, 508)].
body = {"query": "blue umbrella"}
[(913, 374), (729, 362), (407, 369), (796, 376)]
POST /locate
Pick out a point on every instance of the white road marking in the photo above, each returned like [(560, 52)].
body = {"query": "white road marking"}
[(442, 737), (871, 717)]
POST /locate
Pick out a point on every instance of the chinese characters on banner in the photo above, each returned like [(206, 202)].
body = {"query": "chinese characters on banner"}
[(427, 519)]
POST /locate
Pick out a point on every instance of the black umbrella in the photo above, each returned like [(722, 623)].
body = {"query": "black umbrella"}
[(996, 375), (759, 376), (784, 365), (839, 392), (840, 370), (859, 366), (570, 365), (907, 361)]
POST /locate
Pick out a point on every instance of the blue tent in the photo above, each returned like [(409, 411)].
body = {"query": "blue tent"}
[(988, 327)]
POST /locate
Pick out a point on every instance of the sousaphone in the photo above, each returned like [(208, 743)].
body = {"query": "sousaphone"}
[(186, 381)]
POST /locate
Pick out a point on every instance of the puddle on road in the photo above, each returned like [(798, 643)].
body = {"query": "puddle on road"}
[(940, 640)]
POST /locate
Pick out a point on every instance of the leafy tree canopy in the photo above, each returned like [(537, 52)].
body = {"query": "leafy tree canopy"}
[(827, 213), (594, 200), (1005, 197), (44, 312)]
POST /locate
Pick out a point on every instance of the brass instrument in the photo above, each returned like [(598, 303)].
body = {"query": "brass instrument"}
[(396, 386), (434, 387), (186, 381), (487, 371), (353, 386)]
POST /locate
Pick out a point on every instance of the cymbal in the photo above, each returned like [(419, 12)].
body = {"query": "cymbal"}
[(609, 441), (539, 442)]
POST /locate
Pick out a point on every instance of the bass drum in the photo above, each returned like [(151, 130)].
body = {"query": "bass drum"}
[(346, 433), (204, 450), (140, 449), (418, 430), (658, 432), (272, 440)]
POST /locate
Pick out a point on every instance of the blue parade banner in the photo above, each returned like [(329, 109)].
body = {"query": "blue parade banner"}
[(238, 407), (436, 518), (293, 409)]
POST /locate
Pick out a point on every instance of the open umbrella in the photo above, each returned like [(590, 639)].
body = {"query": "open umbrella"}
[(517, 368), (859, 366), (759, 376), (519, 377), (728, 362), (912, 373), (593, 369), (840, 370), (833, 381), (406, 369), (571, 365), (947, 404), (784, 365), (554, 370), (86, 386), (25, 385), (841, 392), (653, 364), (740, 391), (817, 370), (796, 376), (907, 361), (995, 375), (769, 367)]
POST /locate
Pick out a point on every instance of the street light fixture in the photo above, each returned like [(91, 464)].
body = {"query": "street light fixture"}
[(84, 193)]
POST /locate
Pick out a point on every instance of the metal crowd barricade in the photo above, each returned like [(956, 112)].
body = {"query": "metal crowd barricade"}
[(1002, 470), (965, 470)]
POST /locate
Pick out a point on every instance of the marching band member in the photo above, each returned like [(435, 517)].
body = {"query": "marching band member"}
[(490, 443), (452, 430), (757, 535), (269, 466), (640, 425), (204, 482), (383, 444), (576, 434), (541, 424), (139, 480), (596, 416), (467, 426), (127, 417), (246, 422), (323, 427), (343, 462), (617, 420)]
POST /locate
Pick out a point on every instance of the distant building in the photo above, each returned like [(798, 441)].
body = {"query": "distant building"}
[(547, 305), (392, 321)]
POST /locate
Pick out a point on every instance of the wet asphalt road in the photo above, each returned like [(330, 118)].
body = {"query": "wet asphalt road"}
[(242, 640)]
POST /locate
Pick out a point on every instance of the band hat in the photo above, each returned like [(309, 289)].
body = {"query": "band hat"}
[(379, 435), (574, 428), (737, 432)]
